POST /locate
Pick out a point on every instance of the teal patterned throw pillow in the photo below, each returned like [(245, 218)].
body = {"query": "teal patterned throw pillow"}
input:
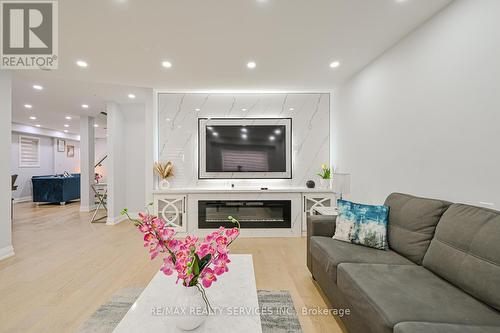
[(362, 224)]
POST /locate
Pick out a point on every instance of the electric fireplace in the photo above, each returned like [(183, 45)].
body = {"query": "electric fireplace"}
[(250, 213)]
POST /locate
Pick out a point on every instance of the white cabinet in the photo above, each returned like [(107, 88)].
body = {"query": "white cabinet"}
[(313, 200), (171, 208)]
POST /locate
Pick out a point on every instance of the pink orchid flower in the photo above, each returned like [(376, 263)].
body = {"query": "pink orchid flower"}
[(208, 277)]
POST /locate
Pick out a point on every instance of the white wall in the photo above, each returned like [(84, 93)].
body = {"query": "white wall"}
[(46, 167), (425, 117), (64, 163), (6, 249), (135, 141)]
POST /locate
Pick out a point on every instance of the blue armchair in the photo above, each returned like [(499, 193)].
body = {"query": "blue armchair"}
[(56, 188)]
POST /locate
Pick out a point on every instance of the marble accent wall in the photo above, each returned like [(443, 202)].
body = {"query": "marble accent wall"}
[(178, 131)]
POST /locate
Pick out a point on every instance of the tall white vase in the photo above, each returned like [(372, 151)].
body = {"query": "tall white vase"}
[(190, 302), (164, 184)]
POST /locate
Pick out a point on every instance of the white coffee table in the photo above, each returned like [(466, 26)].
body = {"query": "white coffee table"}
[(234, 289)]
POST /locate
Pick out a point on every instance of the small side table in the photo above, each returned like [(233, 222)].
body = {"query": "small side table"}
[(331, 211), (101, 194)]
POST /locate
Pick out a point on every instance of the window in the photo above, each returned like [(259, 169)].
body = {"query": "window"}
[(29, 152)]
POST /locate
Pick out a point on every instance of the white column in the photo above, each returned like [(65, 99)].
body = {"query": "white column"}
[(87, 160), (6, 249), (117, 163), (151, 148)]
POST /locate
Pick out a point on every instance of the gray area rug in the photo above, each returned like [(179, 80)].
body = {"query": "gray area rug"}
[(279, 315)]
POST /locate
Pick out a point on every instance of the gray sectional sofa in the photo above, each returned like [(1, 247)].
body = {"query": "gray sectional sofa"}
[(440, 274)]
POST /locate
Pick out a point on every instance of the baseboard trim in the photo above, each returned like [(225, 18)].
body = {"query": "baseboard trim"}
[(23, 199), (6, 252), (115, 220)]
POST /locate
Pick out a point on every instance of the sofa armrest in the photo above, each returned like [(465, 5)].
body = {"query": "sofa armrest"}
[(318, 225)]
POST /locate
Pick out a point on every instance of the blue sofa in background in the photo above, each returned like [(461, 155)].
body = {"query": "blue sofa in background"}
[(56, 188)]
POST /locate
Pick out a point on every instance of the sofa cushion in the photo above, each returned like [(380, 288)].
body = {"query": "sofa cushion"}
[(390, 294), (422, 327), (466, 251), (330, 253), (412, 222)]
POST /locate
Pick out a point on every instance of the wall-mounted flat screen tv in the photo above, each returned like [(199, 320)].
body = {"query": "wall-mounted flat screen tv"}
[(245, 148)]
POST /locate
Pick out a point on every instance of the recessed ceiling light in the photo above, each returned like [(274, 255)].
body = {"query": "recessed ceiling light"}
[(272, 138), (28, 106), (210, 128), (33, 118), (85, 106), (277, 131), (197, 109), (166, 64), (37, 87), (131, 96), (244, 109), (335, 64), (68, 117), (65, 131), (96, 125), (38, 125), (291, 109), (244, 136), (82, 63), (251, 64), (244, 130), (168, 119), (66, 125), (215, 134)]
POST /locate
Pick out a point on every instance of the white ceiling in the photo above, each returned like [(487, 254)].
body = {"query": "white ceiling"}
[(209, 43), (60, 98)]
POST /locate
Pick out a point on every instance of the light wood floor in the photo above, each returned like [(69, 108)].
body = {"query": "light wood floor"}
[(65, 268)]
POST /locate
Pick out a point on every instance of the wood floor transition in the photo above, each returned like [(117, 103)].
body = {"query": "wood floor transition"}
[(66, 267)]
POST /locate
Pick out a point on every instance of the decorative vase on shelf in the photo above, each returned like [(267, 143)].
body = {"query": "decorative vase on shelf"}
[(192, 308), (325, 183), (164, 184)]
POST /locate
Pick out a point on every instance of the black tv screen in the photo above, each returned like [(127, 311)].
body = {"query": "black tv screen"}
[(250, 148)]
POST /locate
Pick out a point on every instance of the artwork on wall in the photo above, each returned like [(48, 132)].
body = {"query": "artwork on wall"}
[(71, 151), (61, 145)]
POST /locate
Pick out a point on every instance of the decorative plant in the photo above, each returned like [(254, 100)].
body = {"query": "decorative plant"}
[(196, 261), (326, 172), (164, 170)]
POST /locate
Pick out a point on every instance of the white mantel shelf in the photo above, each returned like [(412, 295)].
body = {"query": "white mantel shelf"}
[(243, 190)]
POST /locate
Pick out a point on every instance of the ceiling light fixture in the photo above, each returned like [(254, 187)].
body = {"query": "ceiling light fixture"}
[(197, 109), (272, 138), (96, 125), (66, 125), (166, 64), (85, 106), (28, 106), (65, 131), (291, 109), (334, 64), (277, 131), (33, 118), (215, 134), (82, 63), (38, 125), (68, 117), (131, 96), (244, 109), (251, 64), (37, 87), (244, 136), (244, 130)]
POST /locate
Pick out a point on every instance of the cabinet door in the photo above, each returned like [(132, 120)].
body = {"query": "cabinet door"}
[(172, 209), (313, 200)]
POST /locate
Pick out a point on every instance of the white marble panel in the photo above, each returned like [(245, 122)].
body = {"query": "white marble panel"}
[(178, 131)]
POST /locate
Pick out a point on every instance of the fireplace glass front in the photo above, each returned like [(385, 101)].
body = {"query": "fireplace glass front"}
[(250, 213)]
